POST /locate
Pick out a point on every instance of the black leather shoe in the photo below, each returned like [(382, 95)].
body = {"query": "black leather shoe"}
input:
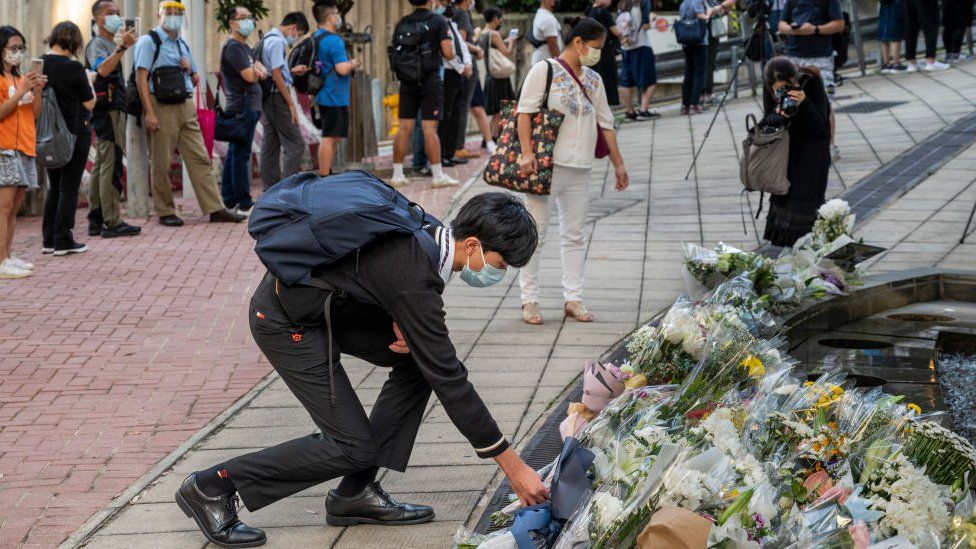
[(373, 506), (226, 216), (94, 230), (217, 516), (122, 229), (171, 221)]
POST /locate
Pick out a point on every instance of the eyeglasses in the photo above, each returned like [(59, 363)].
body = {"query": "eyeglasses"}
[(16, 49)]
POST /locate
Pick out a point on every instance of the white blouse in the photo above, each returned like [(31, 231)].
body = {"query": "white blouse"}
[(576, 143)]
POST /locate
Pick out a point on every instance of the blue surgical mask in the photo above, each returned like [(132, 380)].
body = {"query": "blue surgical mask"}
[(245, 27), (113, 23), (487, 276), (290, 39), (439, 10), (173, 22)]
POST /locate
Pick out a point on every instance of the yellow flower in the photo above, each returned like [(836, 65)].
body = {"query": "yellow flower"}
[(753, 365), (640, 380), (914, 407)]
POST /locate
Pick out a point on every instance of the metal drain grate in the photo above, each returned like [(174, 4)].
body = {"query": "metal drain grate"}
[(867, 107)]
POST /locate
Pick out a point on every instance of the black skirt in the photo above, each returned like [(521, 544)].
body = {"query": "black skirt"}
[(496, 91)]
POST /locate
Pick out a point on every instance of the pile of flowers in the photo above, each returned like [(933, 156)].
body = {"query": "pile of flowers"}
[(709, 436)]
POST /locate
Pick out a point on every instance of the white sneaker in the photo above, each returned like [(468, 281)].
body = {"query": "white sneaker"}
[(912, 67), (243, 212), (47, 250), (491, 147), (18, 262), (444, 181), (398, 182), (935, 66), (9, 270)]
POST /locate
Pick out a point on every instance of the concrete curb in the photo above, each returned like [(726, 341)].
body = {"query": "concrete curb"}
[(81, 536)]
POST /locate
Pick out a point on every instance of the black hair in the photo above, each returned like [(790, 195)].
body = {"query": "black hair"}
[(418, 3), (586, 28), (97, 6), (229, 15), (298, 19), (321, 8), (6, 33), (502, 224), (779, 69), (67, 36), (491, 14)]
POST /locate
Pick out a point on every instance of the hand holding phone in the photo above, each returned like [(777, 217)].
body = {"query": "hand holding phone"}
[(37, 66), (513, 33)]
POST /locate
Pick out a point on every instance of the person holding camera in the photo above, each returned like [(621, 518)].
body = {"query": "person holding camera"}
[(104, 57), (796, 98), (165, 78)]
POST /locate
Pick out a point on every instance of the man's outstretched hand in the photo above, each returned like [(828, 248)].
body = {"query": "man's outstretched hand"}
[(399, 346), (525, 482)]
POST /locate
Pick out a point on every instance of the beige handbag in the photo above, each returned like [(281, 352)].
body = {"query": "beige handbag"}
[(499, 66)]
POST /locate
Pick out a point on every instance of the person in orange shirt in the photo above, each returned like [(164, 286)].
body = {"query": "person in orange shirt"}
[(20, 103)]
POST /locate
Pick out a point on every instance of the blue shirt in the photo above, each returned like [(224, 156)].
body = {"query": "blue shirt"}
[(335, 87), (815, 12), (273, 55), (170, 52)]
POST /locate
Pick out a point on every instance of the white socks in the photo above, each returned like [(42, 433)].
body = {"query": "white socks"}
[(436, 170), (398, 171)]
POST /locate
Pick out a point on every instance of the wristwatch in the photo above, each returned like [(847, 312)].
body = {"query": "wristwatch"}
[(816, 29)]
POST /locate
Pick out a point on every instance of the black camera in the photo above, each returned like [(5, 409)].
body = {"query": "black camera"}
[(787, 104)]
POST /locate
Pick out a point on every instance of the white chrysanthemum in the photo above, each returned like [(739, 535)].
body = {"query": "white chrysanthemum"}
[(608, 508), (834, 208), (914, 508)]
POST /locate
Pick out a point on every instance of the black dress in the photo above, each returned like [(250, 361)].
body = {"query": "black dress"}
[(792, 215), (607, 67), (497, 90)]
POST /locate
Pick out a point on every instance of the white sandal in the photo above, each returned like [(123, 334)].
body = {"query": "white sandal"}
[(531, 314)]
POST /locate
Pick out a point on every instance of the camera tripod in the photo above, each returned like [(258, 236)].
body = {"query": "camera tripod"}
[(962, 239), (760, 9)]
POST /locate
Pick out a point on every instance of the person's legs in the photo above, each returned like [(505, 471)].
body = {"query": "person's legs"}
[(484, 125), (110, 183), (711, 68), (102, 148), (8, 219), (912, 27), (538, 207), (432, 144), (197, 161), (242, 163), (447, 128), (227, 187), (628, 81), (648, 71), (885, 53), (292, 141), (417, 144), (51, 200), (270, 160), (572, 204), (67, 204), (928, 12), (700, 65), (327, 151), (646, 97), (467, 94), (162, 143), (688, 82)]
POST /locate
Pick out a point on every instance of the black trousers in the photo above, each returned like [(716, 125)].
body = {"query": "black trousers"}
[(349, 442), (924, 15), (454, 96), (712, 64), (696, 65), (467, 94), (61, 201)]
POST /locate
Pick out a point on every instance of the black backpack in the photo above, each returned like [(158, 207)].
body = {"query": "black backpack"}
[(107, 90), (306, 53), (410, 55)]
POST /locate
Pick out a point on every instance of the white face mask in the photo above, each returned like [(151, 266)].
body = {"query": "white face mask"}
[(172, 23), (14, 58), (591, 57)]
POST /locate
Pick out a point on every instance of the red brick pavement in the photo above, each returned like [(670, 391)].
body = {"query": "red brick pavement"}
[(111, 359)]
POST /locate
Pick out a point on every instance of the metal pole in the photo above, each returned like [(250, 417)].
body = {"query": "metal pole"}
[(196, 37), (733, 66), (137, 173), (858, 42)]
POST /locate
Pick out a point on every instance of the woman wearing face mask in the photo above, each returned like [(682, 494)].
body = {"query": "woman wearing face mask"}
[(20, 104), (497, 90), (68, 79), (792, 215), (241, 74), (576, 91)]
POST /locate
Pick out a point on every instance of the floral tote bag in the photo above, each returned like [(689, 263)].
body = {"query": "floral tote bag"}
[(503, 169)]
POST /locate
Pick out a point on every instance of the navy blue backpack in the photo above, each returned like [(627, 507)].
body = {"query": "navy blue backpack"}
[(307, 221)]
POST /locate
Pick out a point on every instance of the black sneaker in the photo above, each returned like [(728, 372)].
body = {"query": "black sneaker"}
[(423, 171), (650, 115), (633, 116), (122, 229), (94, 229), (75, 248)]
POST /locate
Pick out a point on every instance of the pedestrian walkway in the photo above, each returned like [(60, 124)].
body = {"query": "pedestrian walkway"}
[(634, 255)]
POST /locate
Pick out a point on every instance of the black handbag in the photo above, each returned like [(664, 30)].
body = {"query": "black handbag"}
[(230, 128), (690, 33)]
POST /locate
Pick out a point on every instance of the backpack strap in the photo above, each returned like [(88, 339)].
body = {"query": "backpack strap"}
[(158, 41)]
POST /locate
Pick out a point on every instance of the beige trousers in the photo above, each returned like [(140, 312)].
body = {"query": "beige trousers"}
[(179, 128)]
